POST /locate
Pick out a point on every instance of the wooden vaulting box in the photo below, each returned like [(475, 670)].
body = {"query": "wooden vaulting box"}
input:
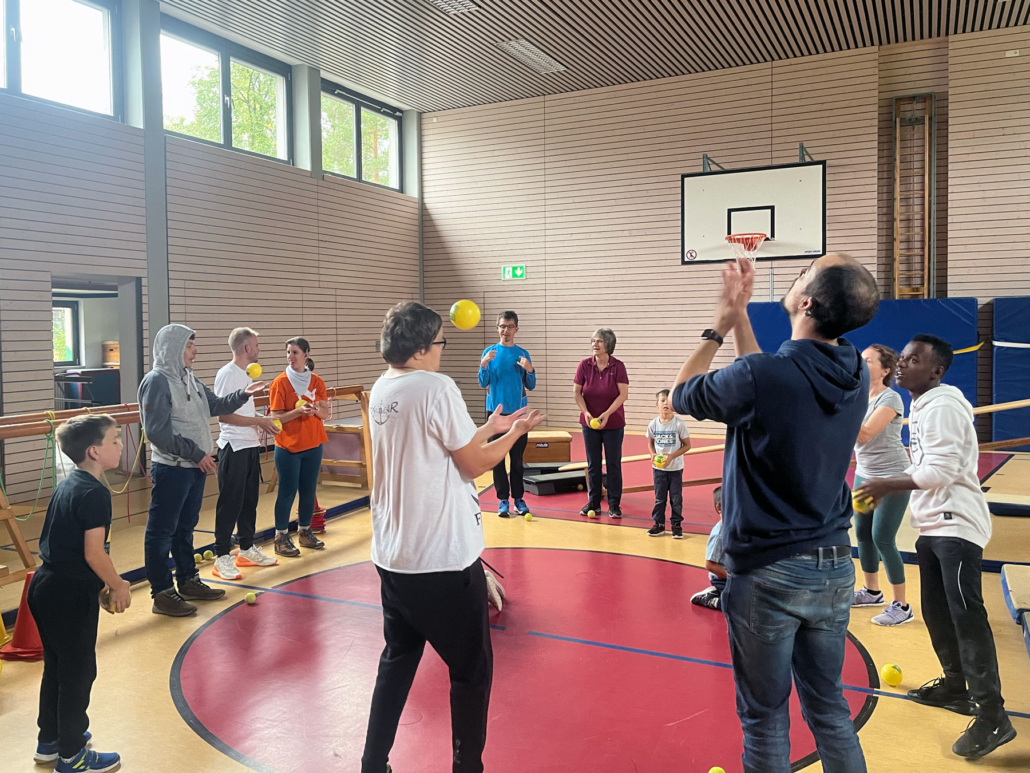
[(548, 446)]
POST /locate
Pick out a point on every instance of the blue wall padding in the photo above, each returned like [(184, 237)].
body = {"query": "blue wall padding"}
[(953, 319), (1011, 368)]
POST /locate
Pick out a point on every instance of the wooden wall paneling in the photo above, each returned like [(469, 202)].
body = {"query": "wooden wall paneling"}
[(71, 198), (988, 169), (912, 68), (483, 194)]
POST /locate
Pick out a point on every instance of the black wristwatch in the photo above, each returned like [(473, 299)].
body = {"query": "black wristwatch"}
[(711, 335)]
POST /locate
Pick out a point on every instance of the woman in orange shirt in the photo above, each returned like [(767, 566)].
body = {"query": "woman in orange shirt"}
[(298, 399)]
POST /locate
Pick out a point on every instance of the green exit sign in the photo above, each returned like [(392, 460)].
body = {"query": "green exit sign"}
[(513, 272)]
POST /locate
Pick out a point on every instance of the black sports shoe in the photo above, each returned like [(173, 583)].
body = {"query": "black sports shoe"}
[(588, 507), (677, 532), (170, 603), (656, 531), (614, 512), (709, 597), (935, 693), (981, 738)]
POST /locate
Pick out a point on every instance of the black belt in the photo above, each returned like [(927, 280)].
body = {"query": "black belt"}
[(827, 553)]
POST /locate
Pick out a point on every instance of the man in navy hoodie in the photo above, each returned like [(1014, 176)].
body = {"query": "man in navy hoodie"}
[(792, 419)]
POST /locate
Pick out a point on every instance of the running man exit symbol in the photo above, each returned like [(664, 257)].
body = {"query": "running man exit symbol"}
[(513, 272)]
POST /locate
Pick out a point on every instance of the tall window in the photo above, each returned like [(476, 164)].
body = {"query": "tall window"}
[(338, 137), (62, 51), (216, 91), (66, 332), (360, 138)]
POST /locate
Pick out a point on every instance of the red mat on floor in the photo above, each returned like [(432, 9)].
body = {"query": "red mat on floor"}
[(600, 664), (698, 512)]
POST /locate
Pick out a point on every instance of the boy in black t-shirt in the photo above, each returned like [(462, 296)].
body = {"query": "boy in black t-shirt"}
[(66, 593)]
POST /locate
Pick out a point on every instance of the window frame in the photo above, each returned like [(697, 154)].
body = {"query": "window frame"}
[(13, 68), (73, 305), (360, 101), (227, 51)]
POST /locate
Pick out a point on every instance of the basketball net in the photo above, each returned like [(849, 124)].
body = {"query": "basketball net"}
[(746, 245)]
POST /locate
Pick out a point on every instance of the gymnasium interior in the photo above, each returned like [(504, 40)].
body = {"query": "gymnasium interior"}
[(301, 167)]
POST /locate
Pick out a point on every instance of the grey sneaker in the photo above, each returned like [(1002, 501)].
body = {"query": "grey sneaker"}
[(170, 603), (284, 546), (866, 598), (307, 539), (895, 614), (195, 590)]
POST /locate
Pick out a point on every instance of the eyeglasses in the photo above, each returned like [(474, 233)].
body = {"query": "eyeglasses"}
[(442, 343), (506, 327)]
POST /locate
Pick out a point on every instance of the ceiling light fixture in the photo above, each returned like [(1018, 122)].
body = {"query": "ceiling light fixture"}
[(531, 56), (452, 7)]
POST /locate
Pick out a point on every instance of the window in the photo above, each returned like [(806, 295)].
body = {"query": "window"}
[(217, 91), (360, 137), (66, 332), (380, 140), (63, 51)]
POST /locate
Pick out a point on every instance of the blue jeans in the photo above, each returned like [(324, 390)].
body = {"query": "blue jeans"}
[(175, 501), (791, 618), (298, 472)]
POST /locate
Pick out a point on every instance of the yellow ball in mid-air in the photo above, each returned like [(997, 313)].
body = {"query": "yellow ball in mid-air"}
[(891, 674), (254, 370), (465, 314)]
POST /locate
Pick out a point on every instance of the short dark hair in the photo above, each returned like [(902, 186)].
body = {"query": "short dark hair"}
[(508, 314), (844, 298), (888, 359), (80, 433), (943, 354), (661, 393), (300, 343), (408, 328), (310, 364), (717, 496)]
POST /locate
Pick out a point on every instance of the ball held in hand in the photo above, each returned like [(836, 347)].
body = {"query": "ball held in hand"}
[(299, 404), (465, 314), (595, 424), (659, 460), (861, 504), (277, 424)]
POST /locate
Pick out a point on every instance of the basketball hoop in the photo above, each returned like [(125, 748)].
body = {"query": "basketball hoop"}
[(746, 245)]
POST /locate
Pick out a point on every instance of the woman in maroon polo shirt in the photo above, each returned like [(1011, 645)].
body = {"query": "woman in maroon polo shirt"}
[(602, 386)]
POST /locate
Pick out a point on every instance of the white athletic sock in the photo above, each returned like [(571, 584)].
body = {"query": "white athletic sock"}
[(279, 533)]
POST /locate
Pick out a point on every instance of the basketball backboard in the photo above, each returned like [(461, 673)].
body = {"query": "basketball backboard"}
[(787, 203)]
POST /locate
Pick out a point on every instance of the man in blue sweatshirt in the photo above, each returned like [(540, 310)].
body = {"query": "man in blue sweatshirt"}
[(507, 371), (792, 418)]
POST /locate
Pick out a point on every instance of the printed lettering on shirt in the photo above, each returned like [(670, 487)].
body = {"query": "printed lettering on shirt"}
[(382, 411)]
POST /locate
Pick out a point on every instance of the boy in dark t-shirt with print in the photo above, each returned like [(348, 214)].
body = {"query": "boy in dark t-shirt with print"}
[(65, 594)]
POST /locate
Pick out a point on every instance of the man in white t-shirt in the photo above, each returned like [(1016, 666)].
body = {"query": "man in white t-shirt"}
[(427, 533), (239, 462)]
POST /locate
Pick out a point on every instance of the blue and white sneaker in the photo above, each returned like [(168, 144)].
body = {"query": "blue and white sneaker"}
[(89, 761), (47, 752), (504, 509), (895, 614), (521, 507)]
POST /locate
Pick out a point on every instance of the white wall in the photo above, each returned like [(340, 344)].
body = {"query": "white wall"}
[(99, 321)]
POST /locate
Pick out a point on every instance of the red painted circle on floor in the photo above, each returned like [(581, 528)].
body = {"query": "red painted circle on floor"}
[(596, 669)]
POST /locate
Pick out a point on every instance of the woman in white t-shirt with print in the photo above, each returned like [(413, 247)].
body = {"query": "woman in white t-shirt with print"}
[(879, 453), (427, 532)]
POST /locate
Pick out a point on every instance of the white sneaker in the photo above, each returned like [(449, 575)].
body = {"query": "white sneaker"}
[(226, 569), (253, 556)]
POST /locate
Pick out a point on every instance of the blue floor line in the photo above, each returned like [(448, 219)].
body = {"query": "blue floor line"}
[(716, 663)]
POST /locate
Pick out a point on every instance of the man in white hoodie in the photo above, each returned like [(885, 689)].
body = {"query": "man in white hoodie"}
[(949, 509)]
